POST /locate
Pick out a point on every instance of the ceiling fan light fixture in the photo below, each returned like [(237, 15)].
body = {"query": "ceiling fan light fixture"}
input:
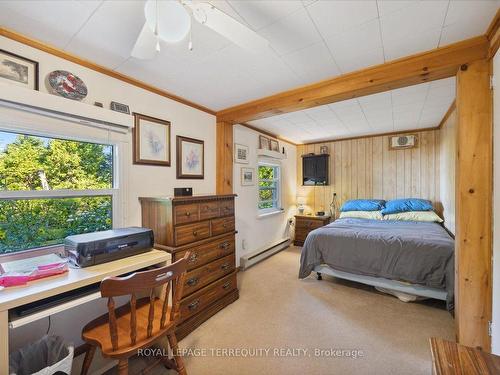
[(168, 18)]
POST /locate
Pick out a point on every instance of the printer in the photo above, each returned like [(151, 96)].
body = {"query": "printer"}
[(99, 247)]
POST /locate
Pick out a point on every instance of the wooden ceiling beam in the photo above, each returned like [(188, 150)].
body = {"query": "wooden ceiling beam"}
[(428, 66)]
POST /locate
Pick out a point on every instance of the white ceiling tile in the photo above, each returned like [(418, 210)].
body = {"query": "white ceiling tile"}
[(333, 17), (420, 42), (53, 21), (386, 7), (377, 101), (410, 94), (313, 63), (227, 8), (291, 33), (477, 12), (263, 13), (414, 28), (121, 32), (364, 59)]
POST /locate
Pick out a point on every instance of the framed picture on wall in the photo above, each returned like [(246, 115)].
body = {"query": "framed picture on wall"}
[(264, 143), (275, 146), (247, 176), (18, 70), (240, 154), (190, 158), (151, 141)]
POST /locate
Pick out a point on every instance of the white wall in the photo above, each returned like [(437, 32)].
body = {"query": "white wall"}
[(254, 231), (495, 342), (137, 180)]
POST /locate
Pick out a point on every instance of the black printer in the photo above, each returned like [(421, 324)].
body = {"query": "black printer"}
[(99, 247)]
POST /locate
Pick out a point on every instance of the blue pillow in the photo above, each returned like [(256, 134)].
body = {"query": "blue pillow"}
[(363, 205), (405, 205)]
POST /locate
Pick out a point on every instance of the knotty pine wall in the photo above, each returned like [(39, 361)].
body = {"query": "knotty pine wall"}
[(367, 168)]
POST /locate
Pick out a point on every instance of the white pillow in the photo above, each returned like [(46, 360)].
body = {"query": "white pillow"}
[(373, 215), (427, 216)]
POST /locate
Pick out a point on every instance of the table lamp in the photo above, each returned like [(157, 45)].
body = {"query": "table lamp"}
[(301, 201)]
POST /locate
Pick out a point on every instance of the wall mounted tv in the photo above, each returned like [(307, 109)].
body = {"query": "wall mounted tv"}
[(315, 169)]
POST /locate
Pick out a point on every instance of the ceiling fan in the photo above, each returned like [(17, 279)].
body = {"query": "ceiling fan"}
[(170, 21)]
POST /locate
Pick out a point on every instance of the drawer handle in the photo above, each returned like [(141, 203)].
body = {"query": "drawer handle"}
[(188, 214), (226, 285), (194, 305), (224, 225), (224, 245), (164, 276), (193, 258), (225, 266), (195, 233), (227, 208), (192, 281)]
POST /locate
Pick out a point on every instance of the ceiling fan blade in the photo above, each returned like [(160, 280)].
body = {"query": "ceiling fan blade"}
[(145, 46), (227, 26)]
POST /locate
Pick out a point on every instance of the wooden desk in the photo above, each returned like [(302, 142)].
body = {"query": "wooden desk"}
[(75, 278), (450, 358)]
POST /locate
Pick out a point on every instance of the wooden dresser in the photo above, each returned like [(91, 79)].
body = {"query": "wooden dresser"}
[(203, 225), (306, 223)]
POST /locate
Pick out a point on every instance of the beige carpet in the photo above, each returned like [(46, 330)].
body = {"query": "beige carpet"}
[(278, 311)]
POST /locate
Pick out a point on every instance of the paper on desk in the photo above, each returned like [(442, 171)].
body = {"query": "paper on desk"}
[(30, 264)]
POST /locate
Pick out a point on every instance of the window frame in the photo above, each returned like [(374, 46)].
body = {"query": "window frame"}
[(114, 192), (277, 181)]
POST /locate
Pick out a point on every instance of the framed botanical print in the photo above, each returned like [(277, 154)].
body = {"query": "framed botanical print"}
[(190, 158), (275, 146), (264, 143), (18, 70), (247, 176), (240, 154), (151, 141)]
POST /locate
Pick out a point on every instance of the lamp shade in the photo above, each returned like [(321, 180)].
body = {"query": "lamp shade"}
[(301, 200)]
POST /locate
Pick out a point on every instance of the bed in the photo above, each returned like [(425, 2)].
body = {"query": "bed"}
[(407, 256)]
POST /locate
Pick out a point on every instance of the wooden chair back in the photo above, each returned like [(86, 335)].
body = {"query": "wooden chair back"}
[(172, 277)]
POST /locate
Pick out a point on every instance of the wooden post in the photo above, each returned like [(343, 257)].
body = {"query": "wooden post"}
[(474, 186), (224, 163)]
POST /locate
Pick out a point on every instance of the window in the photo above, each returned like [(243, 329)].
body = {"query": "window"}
[(51, 188), (269, 187)]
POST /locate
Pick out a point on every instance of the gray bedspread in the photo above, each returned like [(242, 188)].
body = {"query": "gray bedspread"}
[(415, 252)]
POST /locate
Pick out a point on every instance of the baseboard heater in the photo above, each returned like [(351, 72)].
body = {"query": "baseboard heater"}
[(263, 253)]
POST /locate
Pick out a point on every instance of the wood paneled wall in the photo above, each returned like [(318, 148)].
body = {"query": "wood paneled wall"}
[(448, 160), (367, 168)]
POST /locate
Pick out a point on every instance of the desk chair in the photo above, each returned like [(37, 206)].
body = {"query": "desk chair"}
[(140, 323)]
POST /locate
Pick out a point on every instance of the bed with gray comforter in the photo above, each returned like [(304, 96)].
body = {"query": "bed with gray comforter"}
[(415, 252)]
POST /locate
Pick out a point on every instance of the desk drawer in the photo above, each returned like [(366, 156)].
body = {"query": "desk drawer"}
[(206, 253), (308, 224), (209, 210), (226, 207), (223, 225), (186, 213), (191, 232), (199, 277), (197, 301)]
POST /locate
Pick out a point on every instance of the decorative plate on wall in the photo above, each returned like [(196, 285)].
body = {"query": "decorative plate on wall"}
[(67, 85)]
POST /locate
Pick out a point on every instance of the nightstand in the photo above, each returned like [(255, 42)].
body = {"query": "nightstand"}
[(306, 223)]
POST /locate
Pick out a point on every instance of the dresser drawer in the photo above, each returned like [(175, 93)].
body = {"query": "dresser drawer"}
[(186, 213), (199, 277), (191, 232), (226, 207), (206, 253), (209, 210), (308, 224), (223, 225), (300, 235), (197, 301)]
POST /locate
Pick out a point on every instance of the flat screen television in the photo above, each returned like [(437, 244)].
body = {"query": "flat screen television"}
[(315, 169)]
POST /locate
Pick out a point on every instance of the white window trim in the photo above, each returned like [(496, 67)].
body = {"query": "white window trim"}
[(265, 212), (115, 192)]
